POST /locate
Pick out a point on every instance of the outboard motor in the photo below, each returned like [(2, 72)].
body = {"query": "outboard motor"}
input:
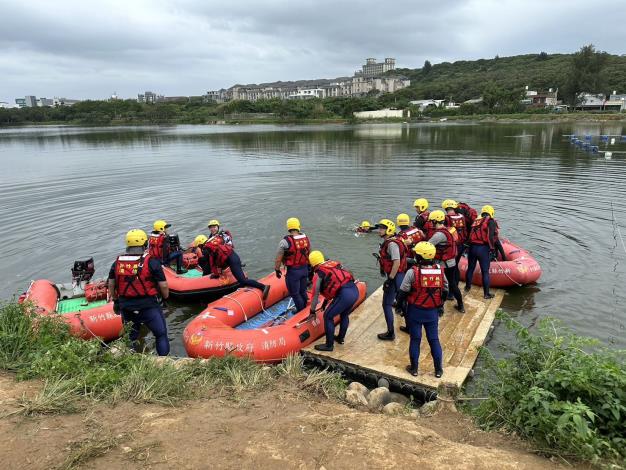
[(82, 272), (174, 241)]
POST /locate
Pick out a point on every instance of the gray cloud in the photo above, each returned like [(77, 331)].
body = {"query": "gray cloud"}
[(89, 49)]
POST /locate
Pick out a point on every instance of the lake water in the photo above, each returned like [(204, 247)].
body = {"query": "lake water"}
[(71, 192)]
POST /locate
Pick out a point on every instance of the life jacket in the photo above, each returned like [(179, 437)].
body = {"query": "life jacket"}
[(335, 277), (297, 254), (479, 232), (218, 255), (469, 212), (133, 277), (421, 219), (429, 229), (458, 222), (427, 288), (385, 260), (447, 250), (413, 235), (223, 237), (157, 245)]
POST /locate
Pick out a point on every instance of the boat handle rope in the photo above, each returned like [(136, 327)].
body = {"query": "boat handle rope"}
[(82, 323), (243, 310), (510, 278)]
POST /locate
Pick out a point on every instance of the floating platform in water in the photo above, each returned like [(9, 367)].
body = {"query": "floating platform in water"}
[(366, 357)]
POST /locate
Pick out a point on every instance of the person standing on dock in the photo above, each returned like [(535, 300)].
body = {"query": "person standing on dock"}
[(410, 235), (424, 289), (392, 258), (483, 240), (459, 222), (136, 281), (421, 219), (445, 243), (159, 246), (293, 252), (337, 286)]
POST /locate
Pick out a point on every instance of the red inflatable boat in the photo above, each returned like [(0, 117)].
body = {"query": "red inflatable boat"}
[(519, 269), (193, 283), (86, 318), (238, 324)]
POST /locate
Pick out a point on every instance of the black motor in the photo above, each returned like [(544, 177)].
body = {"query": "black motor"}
[(173, 241), (83, 270)]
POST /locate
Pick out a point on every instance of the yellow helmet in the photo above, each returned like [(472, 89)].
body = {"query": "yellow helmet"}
[(388, 225), (160, 225), (489, 210), (365, 224), (426, 250), (421, 204), (403, 219), (293, 224), (200, 240), (437, 216), (213, 222), (316, 258), (449, 204), (136, 237)]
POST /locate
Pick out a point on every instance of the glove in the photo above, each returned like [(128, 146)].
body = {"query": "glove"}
[(492, 255), (279, 274), (116, 307), (163, 302), (440, 311), (387, 284)]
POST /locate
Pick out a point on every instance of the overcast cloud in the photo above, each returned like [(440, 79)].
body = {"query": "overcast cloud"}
[(89, 49)]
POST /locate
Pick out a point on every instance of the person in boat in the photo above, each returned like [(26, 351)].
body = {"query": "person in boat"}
[(216, 231), (336, 285), (424, 290), (365, 227), (160, 248), (218, 255), (293, 252), (136, 285), (444, 240), (483, 247), (410, 235), (392, 258), (421, 219)]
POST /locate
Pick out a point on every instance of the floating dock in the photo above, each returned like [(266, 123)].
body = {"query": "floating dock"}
[(366, 357)]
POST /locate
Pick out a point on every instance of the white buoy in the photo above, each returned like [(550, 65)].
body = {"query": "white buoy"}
[(608, 155), (612, 140)]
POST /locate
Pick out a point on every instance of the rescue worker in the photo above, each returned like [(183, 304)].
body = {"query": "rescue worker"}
[(445, 243), (458, 221), (392, 258), (217, 255), (216, 231), (468, 212), (424, 290), (337, 286), (483, 238), (421, 207), (410, 235), (365, 227), (136, 282), (293, 252), (159, 246)]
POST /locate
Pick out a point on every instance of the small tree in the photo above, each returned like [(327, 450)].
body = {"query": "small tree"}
[(427, 67), (585, 74)]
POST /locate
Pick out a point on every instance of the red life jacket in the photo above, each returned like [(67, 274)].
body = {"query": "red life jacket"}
[(458, 222), (156, 245), (218, 255), (298, 252), (413, 235), (470, 213), (223, 237), (479, 232), (423, 216), (429, 229), (447, 250), (133, 277), (427, 288), (335, 277), (385, 260)]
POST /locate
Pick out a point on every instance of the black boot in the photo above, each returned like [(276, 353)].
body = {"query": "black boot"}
[(460, 308), (388, 336), (439, 373), (339, 340), (489, 296), (467, 288), (266, 292), (404, 329), (323, 347), (412, 370)]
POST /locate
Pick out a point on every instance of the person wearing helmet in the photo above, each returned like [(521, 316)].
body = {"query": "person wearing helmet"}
[(337, 286), (457, 220), (365, 227), (159, 246), (444, 240), (424, 290), (196, 248), (421, 219), (410, 235), (483, 240), (217, 235), (136, 281), (293, 252), (392, 258)]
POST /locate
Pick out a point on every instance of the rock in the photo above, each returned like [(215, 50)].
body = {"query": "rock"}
[(399, 398), (394, 409), (356, 398), (383, 382), (414, 414), (378, 398), (359, 387), (428, 409)]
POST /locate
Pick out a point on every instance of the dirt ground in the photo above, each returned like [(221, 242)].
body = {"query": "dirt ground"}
[(283, 428)]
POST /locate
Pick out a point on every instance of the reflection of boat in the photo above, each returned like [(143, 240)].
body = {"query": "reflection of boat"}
[(520, 268), (240, 325), (193, 283)]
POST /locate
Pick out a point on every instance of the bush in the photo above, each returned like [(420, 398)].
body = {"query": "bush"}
[(561, 391)]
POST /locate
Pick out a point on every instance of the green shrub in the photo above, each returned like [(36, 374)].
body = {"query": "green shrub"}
[(561, 391)]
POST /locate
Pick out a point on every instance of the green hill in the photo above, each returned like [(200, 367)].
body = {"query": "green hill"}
[(464, 79)]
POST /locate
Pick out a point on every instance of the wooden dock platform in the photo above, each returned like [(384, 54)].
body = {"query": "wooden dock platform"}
[(364, 355)]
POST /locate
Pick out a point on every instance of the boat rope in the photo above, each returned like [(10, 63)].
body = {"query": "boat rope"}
[(243, 310), (260, 299), (84, 325), (505, 273)]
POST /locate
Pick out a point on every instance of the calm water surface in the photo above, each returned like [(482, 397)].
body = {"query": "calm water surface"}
[(70, 192)]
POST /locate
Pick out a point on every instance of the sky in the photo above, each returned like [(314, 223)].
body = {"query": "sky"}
[(91, 48)]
